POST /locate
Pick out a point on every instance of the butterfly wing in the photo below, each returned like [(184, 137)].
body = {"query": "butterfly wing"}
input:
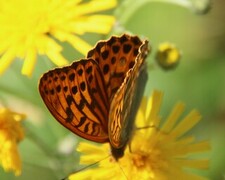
[(126, 101), (77, 98), (115, 57)]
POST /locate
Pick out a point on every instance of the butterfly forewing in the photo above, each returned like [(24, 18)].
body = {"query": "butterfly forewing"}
[(97, 98), (115, 57), (77, 98), (126, 101)]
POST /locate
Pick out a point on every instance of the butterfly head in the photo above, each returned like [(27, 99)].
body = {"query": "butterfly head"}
[(117, 153)]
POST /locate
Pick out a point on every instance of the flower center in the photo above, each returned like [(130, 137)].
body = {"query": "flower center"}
[(139, 160)]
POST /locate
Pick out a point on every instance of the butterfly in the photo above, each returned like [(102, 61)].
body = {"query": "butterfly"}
[(97, 97)]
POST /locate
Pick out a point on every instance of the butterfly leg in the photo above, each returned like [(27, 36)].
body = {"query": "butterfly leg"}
[(152, 126), (146, 127), (129, 146)]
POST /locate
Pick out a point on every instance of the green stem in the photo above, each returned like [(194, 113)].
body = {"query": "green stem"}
[(129, 7), (56, 160), (30, 134), (14, 92)]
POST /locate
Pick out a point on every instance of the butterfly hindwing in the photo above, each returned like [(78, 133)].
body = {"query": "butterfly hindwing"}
[(77, 98), (115, 57), (126, 101)]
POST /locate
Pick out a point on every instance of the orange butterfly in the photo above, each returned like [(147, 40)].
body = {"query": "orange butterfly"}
[(97, 97)]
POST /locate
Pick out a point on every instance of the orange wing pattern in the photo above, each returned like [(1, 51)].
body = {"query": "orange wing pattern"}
[(97, 98), (126, 101), (115, 57), (76, 97)]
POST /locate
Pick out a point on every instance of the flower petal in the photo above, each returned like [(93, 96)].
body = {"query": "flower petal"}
[(95, 6), (186, 124), (6, 60), (29, 62), (153, 107), (173, 117)]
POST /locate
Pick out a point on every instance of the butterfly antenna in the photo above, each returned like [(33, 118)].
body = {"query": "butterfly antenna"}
[(129, 146), (146, 127), (152, 126), (86, 167), (123, 171)]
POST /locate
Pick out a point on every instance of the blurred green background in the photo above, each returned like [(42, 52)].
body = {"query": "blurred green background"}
[(198, 81)]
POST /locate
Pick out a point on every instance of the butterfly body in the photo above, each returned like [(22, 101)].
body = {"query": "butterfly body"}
[(128, 121), (97, 97)]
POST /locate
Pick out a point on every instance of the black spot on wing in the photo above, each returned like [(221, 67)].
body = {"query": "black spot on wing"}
[(71, 77), (86, 127), (62, 78), (58, 88), (69, 99), (89, 70), (105, 54), (115, 49), (69, 114), (65, 88), (82, 121), (113, 60), (106, 69), (82, 86), (126, 48), (74, 89), (80, 72)]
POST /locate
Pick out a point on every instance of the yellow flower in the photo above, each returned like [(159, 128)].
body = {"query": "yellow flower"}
[(167, 56), (34, 27), (11, 133), (154, 153)]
